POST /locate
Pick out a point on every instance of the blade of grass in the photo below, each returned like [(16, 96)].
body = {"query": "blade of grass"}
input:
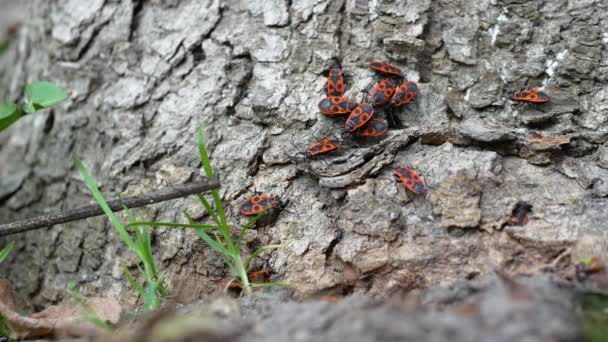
[(248, 226), (208, 208), (219, 207), (140, 240), (151, 301), (201, 233), (213, 244), (104, 205), (6, 251), (203, 152), (171, 225), (262, 250), (132, 280)]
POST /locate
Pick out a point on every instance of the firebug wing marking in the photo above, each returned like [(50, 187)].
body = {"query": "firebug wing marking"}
[(257, 203), (336, 105), (360, 115), (411, 180), (406, 92), (335, 82), (374, 128), (530, 96), (385, 68), (383, 91), (326, 145)]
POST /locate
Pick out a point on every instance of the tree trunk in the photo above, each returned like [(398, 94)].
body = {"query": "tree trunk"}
[(142, 76)]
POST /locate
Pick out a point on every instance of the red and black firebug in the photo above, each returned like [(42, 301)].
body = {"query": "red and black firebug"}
[(411, 180)]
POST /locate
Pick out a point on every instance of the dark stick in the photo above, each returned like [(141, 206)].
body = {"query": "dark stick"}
[(166, 194)]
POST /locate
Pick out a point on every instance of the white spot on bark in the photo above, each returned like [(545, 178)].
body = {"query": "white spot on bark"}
[(605, 37), (551, 65), (494, 30), (373, 6)]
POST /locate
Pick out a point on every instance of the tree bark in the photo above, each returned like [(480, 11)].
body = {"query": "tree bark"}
[(143, 75)]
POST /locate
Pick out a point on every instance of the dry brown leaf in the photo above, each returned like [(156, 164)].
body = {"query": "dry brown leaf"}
[(62, 319), (7, 294)]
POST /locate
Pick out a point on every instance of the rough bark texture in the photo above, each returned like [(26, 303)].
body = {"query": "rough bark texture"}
[(143, 74)]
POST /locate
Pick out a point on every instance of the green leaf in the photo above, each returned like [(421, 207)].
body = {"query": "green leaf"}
[(9, 114), (29, 107), (7, 109), (5, 251), (120, 229), (41, 95)]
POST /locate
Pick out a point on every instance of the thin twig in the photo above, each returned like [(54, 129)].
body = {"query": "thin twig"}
[(166, 194)]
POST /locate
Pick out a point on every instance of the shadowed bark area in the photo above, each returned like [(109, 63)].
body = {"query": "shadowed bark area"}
[(144, 74)]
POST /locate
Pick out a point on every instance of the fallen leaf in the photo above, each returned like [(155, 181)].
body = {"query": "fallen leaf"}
[(7, 294), (62, 319)]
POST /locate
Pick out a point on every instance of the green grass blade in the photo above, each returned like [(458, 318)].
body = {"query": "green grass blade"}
[(132, 280), (276, 283), (172, 225), (106, 209), (219, 206), (211, 242), (151, 300), (248, 226), (6, 251), (161, 283), (144, 241), (230, 264), (139, 239), (201, 233), (203, 152), (208, 208), (262, 250)]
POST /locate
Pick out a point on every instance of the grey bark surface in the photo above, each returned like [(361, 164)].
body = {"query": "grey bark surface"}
[(144, 74)]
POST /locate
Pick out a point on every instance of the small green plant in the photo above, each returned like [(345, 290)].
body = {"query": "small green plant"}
[(153, 287), (39, 96), (5, 252), (5, 327), (219, 236)]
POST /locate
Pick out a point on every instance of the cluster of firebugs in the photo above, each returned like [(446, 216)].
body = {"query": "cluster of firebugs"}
[(390, 92)]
